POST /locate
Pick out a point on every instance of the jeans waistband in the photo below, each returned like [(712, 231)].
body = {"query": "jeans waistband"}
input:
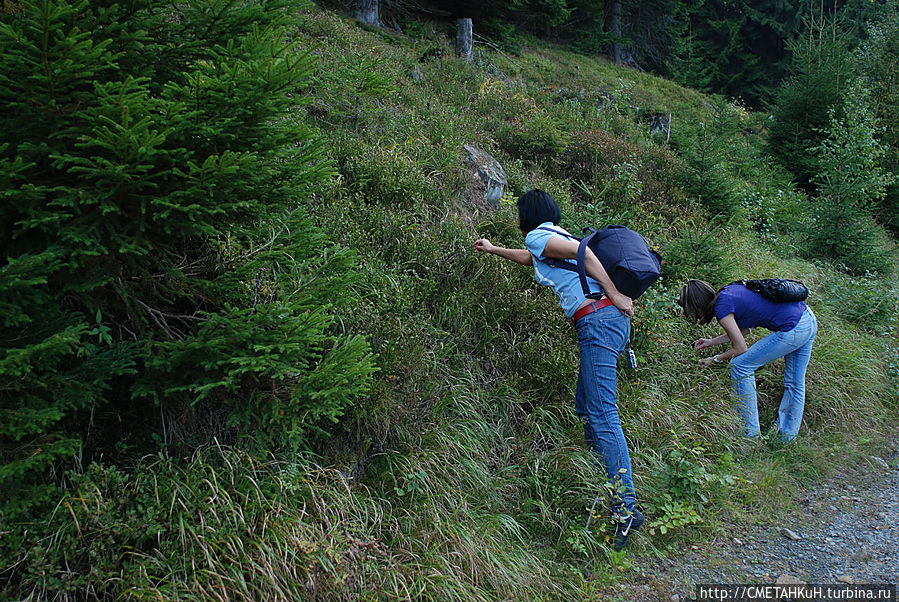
[(589, 309)]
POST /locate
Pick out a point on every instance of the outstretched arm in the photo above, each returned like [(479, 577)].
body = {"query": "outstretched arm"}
[(562, 248), (718, 340), (521, 256), (737, 342)]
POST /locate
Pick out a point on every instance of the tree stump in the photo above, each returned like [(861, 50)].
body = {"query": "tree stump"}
[(366, 11), (463, 39)]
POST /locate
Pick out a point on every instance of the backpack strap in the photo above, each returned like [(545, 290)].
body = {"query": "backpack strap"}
[(580, 268), (552, 261)]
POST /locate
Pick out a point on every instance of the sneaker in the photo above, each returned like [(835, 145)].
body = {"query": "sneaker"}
[(626, 526)]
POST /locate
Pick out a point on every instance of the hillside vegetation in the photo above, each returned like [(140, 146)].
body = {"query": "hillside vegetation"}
[(251, 354)]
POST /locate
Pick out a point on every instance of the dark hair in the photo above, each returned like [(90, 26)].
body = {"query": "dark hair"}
[(697, 298), (536, 207)]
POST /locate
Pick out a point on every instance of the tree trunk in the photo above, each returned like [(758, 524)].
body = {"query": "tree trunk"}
[(463, 39), (366, 11), (615, 26)]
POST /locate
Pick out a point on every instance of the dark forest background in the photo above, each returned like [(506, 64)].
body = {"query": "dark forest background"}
[(738, 49)]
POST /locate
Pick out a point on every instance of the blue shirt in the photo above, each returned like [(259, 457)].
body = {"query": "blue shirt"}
[(752, 309), (566, 284)]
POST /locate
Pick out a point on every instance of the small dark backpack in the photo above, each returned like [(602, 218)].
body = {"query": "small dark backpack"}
[(778, 290), (631, 263)]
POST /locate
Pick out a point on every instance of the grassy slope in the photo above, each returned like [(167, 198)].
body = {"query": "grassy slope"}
[(470, 444), (464, 476)]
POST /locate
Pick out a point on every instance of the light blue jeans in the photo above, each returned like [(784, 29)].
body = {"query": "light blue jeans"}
[(602, 336), (795, 346)]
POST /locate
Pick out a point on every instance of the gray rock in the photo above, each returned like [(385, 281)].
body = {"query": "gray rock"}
[(848, 580), (490, 172), (787, 579), (880, 462), (790, 534)]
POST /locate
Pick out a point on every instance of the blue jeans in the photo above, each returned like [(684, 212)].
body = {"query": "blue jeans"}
[(602, 336), (795, 346)]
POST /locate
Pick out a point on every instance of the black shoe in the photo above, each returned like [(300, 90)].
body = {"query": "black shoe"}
[(626, 526)]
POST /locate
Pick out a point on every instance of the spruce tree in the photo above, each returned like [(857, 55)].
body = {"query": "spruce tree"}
[(820, 71), (155, 255), (850, 184), (878, 62)]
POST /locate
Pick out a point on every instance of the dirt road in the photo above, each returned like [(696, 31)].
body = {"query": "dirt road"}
[(847, 531)]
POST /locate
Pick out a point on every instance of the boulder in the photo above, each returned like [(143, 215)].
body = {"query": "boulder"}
[(489, 179)]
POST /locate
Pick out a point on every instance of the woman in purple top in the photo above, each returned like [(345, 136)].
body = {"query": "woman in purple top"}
[(793, 328)]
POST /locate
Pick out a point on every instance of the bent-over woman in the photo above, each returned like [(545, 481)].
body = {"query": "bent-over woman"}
[(793, 328), (603, 328)]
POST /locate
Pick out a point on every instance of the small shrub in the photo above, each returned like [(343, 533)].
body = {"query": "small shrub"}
[(384, 175), (536, 138), (700, 254), (686, 485), (864, 300), (772, 213)]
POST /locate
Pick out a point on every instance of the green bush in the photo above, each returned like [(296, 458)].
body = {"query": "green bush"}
[(686, 484), (774, 212), (707, 149), (819, 70), (864, 300), (152, 254), (701, 254), (878, 63), (850, 184), (607, 172), (534, 137)]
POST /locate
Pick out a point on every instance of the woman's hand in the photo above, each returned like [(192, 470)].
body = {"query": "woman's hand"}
[(706, 362), (482, 245), (702, 344), (519, 256), (622, 302)]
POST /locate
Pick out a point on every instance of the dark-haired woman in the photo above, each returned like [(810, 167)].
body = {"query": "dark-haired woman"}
[(603, 328), (793, 328)]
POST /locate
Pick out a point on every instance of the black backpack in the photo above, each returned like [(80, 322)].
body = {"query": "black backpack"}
[(778, 290), (631, 263)]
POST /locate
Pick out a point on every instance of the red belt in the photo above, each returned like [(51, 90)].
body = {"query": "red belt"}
[(589, 309)]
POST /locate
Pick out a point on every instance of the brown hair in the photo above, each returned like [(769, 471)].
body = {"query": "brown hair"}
[(697, 298)]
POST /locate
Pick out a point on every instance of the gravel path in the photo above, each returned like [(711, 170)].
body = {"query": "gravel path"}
[(848, 532)]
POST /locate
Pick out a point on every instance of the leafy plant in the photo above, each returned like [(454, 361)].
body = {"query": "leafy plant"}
[(686, 485), (673, 514)]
